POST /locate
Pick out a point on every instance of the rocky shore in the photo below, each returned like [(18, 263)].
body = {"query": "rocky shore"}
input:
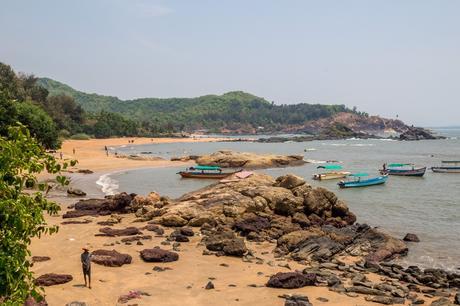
[(310, 239), (246, 160)]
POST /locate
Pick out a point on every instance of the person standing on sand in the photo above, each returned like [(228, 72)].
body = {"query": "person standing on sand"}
[(86, 265), (73, 150)]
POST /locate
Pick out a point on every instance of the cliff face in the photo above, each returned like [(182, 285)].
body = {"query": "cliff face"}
[(374, 125)]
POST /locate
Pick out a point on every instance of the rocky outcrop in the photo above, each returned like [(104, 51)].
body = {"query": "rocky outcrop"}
[(411, 238), (52, 279), (231, 159), (418, 133), (225, 242), (110, 258), (75, 192), (158, 255)]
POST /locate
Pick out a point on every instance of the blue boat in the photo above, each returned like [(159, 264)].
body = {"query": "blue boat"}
[(361, 180)]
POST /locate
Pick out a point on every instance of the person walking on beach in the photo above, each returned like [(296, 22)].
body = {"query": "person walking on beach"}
[(86, 265)]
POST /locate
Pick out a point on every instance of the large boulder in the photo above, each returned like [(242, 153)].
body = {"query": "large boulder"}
[(110, 258), (51, 279), (158, 255), (291, 280)]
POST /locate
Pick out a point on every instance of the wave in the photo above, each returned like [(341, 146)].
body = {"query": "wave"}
[(108, 185), (362, 145), (309, 149)]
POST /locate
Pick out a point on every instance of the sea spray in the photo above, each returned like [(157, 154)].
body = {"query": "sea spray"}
[(108, 185)]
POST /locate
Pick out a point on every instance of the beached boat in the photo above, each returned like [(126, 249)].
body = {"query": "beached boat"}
[(205, 172), (361, 180), (448, 166), (331, 175), (403, 170)]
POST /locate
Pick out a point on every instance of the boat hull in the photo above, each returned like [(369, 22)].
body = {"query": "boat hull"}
[(364, 183), (445, 169), (200, 175), (330, 175), (401, 172)]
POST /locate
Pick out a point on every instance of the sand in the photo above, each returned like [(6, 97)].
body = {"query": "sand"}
[(91, 153), (183, 285)]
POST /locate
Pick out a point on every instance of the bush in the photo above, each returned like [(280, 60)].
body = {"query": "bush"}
[(80, 136)]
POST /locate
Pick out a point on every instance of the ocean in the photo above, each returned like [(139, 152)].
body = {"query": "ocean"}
[(428, 206)]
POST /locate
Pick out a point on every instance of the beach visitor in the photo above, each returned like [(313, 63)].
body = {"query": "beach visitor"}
[(86, 265), (73, 150), (60, 153)]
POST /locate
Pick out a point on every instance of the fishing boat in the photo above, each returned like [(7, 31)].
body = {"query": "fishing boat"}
[(205, 172), (330, 175), (448, 166), (403, 170), (361, 180)]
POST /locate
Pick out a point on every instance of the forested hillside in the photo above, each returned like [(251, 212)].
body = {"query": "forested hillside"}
[(234, 111)]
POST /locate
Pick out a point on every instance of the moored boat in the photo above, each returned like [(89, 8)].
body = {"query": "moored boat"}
[(331, 175), (448, 166), (205, 172), (359, 181), (403, 170)]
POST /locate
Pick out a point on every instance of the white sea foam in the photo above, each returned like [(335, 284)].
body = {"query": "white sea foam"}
[(108, 185), (309, 149), (312, 161), (362, 145)]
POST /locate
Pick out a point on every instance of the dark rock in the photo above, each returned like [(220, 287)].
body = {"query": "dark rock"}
[(411, 237), (209, 286), (187, 231), (118, 203), (76, 303), (136, 238), (252, 224), (110, 258), (296, 300), (75, 192), (365, 290), (84, 171), (160, 269), (154, 228), (387, 300), (129, 231), (76, 222), (158, 255), (289, 181), (457, 298), (225, 241), (290, 280), (418, 133), (181, 238), (40, 258), (321, 299), (51, 279)]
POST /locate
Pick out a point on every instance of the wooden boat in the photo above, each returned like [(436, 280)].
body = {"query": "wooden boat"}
[(448, 166), (358, 181), (403, 170), (205, 172), (331, 175)]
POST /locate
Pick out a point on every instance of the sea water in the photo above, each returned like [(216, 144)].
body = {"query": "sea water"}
[(427, 206)]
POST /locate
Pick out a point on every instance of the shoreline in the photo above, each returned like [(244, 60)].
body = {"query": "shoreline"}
[(91, 153)]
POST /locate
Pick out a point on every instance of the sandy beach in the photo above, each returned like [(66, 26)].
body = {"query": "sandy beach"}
[(91, 153)]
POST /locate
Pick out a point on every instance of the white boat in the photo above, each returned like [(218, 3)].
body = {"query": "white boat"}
[(448, 166), (331, 175)]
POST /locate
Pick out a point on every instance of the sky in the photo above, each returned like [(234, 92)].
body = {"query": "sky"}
[(387, 57)]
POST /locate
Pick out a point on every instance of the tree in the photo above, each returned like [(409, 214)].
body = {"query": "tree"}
[(40, 124), (21, 214)]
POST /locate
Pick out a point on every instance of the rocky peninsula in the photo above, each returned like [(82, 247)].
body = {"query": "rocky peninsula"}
[(246, 160), (245, 241)]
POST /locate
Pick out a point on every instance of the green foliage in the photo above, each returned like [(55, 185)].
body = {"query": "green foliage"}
[(80, 136), (21, 214), (40, 124), (232, 110)]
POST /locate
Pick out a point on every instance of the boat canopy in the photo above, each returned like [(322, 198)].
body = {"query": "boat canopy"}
[(398, 165), (360, 174), (330, 167), (201, 167)]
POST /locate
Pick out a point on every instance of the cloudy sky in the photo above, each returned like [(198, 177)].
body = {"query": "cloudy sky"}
[(387, 57)]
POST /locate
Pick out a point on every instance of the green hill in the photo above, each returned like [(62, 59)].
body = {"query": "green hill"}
[(234, 111)]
